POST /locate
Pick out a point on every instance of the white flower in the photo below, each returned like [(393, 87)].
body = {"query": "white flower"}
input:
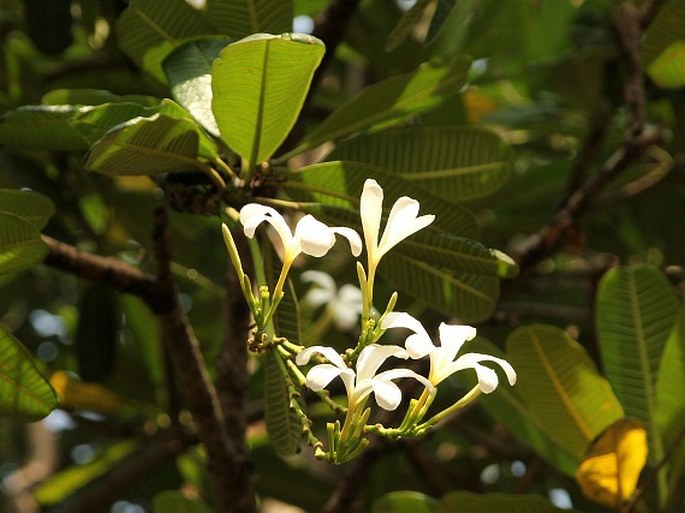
[(442, 359), (402, 221), (311, 237), (364, 381), (344, 304)]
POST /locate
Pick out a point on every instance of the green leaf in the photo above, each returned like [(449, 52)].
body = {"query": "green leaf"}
[(282, 423), (172, 501), (189, 71), (32, 206), (404, 502), (24, 393), (241, 18), (20, 243), (458, 163), (339, 184), (671, 405), (469, 502), (469, 297), (391, 100), (561, 386), (70, 480), (42, 128), (668, 69), (94, 97), (149, 30), (507, 406), (260, 84), (406, 24), (636, 310), (443, 11), (667, 27), (147, 146)]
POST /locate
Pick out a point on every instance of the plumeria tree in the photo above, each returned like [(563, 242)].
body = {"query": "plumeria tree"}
[(341, 255)]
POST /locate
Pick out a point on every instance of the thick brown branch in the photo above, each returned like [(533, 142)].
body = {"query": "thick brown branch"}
[(226, 455)]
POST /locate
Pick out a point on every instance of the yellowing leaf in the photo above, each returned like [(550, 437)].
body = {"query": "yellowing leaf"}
[(608, 475), (668, 70), (89, 396)]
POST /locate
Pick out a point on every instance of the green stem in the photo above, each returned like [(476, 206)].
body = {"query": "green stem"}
[(471, 396)]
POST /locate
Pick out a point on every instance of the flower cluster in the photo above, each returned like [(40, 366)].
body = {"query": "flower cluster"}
[(358, 368)]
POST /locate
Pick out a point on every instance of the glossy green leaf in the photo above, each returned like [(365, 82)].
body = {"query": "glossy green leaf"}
[(457, 163), (260, 84), (636, 310), (241, 18), (149, 30), (283, 425), (147, 146), (670, 404), (668, 69), (339, 184), (560, 384), (391, 100), (667, 28), (469, 502), (507, 406), (469, 297), (189, 72), (42, 128), (173, 501), (24, 393), (70, 480), (406, 24), (404, 502), (20, 243), (94, 97), (32, 206)]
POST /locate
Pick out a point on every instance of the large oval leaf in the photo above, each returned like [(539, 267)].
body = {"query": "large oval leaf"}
[(240, 18), (259, 85), (32, 206), (457, 163), (24, 393), (20, 243), (390, 100), (404, 502), (636, 310), (189, 71), (560, 384), (149, 30), (282, 423)]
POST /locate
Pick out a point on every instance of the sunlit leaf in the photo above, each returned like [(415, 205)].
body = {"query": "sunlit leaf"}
[(457, 163), (149, 30), (32, 206), (24, 393), (77, 395), (172, 501), (240, 18), (392, 99), (259, 85), (94, 97), (668, 69), (636, 310), (560, 384), (189, 71), (404, 502), (20, 243), (609, 472)]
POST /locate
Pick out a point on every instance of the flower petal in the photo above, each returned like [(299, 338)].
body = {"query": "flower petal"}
[(313, 236), (331, 355), (373, 356), (453, 336), (419, 344), (352, 236), (405, 373), (253, 214), (402, 222), (370, 211), (321, 375), (388, 395), (487, 377)]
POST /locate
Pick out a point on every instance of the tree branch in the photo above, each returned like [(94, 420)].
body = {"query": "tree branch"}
[(226, 456)]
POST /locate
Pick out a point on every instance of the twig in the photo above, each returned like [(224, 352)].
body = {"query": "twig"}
[(226, 456)]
